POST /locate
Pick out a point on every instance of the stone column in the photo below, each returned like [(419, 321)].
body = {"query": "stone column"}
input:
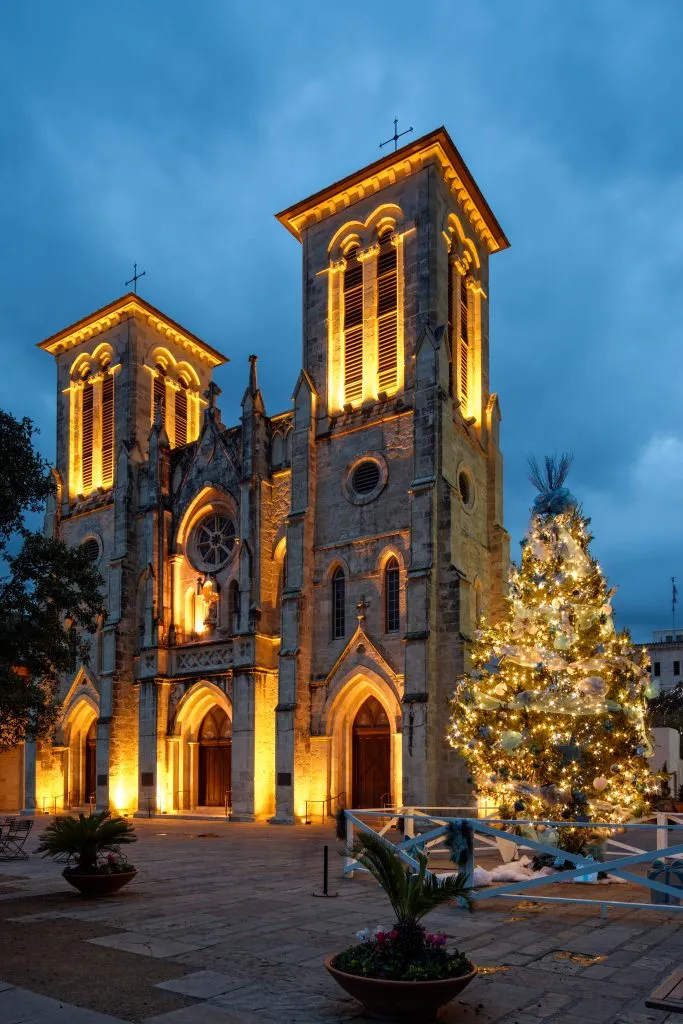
[(192, 796), (147, 752), (368, 258), (96, 381), (243, 746)]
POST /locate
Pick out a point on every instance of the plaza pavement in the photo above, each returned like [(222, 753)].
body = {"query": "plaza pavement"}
[(227, 912)]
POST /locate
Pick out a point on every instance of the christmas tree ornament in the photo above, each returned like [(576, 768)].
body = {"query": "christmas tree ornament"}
[(592, 686), (510, 739), (600, 783)]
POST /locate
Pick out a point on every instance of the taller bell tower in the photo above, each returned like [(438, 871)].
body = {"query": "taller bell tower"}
[(396, 468)]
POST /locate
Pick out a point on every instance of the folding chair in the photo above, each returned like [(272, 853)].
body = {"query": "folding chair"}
[(12, 841)]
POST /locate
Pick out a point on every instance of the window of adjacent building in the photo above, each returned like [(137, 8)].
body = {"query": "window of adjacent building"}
[(677, 668), (658, 668), (392, 591), (387, 313), (338, 604), (353, 327)]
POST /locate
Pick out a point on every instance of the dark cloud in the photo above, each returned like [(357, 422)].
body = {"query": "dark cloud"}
[(170, 133)]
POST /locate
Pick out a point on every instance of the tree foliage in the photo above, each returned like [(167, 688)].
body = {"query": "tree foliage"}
[(50, 595)]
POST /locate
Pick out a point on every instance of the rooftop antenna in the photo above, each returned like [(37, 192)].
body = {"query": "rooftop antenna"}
[(395, 137), (674, 602)]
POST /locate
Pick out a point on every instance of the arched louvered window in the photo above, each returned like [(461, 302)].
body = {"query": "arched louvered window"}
[(387, 313), (353, 327), (180, 413), (452, 339), (464, 344), (338, 604), (87, 418), (159, 392), (107, 430), (392, 590)]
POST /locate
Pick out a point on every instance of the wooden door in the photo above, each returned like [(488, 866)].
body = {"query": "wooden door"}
[(215, 762), (214, 775), (371, 756)]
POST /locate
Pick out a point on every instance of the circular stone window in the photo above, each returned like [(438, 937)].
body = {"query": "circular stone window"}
[(365, 479), (214, 539), (91, 547), (466, 488)]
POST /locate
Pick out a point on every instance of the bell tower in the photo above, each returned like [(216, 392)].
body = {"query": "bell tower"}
[(402, 460)]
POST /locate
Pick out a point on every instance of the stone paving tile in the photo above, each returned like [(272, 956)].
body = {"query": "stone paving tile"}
[(145, 945), (202, 1013), (19, 1006), (204, 984)]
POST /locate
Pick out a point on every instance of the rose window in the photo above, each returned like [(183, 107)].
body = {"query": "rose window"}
[(215, 539)]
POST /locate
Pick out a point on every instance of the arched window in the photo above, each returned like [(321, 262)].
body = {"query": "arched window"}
[(288, 446), (392, 590), (180, 413), (87, 420), (453, 278), (463, 348), (159, 392), (278, 450), (338, 604), (107, 430), (387, 313), (234, 607), (353, 327)]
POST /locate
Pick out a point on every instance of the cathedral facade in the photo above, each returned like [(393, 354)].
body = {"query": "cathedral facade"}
[(288, 597)]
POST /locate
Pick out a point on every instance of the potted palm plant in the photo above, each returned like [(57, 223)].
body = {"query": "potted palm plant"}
[(91, 843), (403, 972)]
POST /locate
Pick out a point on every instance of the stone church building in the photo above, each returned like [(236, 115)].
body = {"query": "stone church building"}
[(288, 597)]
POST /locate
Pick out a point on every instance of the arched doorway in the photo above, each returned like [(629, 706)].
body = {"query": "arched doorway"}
[(371, 774), (215, 742), (90, 773)]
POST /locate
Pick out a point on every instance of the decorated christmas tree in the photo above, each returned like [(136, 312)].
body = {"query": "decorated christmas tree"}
[(551, 717)]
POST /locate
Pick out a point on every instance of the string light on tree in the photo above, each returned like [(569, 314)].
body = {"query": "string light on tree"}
[(551, 717)]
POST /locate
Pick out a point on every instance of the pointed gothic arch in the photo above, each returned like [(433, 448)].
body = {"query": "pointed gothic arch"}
[(77, 734), (346, 698), (191, 771)]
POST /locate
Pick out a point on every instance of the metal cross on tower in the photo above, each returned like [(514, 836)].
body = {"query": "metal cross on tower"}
[(396, 136), (135, 278)]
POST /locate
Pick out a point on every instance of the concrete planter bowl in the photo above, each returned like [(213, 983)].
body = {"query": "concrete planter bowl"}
[(96, 886), (400, 1000)]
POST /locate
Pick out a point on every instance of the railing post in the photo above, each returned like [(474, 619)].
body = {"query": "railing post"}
[(662, 830), (469, 863), (349, 842), (409, 823)]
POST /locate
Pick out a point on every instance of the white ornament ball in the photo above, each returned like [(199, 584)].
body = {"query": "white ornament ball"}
[(600, 783)]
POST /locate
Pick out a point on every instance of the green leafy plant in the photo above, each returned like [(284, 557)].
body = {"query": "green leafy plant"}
[(405, 951), (86, 838)]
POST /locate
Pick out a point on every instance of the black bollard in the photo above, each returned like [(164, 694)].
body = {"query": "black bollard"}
[(326, 863)]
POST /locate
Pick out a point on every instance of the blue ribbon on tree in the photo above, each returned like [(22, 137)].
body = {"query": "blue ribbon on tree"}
[(460, 842), (554, 502)]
